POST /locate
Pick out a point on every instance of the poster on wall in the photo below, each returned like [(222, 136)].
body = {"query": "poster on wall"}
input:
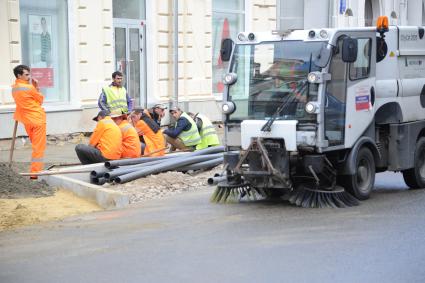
[(40, 31)]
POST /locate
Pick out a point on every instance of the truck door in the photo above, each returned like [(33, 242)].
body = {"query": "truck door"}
[(350, 94)]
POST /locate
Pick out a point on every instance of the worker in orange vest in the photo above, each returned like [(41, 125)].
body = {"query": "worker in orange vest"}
[(152, 135), (105, 142), (131, 145), (29, 112)]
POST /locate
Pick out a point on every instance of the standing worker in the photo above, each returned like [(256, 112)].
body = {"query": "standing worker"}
[(185, 135), (29, 112), (150, 131), (105, 142), (206, 130), (115, 97), (131, 145)]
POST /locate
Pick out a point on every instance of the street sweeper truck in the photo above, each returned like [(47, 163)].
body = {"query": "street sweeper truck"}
[(311, 115)]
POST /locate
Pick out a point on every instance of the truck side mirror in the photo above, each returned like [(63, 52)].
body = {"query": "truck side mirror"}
[(349, 50), (226, 49)]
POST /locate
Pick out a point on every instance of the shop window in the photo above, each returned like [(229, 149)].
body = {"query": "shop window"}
[(44, 38), (228, 21)]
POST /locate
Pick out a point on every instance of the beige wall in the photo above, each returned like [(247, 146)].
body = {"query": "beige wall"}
[(194, 50), (10, 49), (263, 15)]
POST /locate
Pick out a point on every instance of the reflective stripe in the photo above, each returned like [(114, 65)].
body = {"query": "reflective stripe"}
[(107, 121), (190, 137), (15, 89), (41, 159), (125, 128), (209, 134), (116, 100)]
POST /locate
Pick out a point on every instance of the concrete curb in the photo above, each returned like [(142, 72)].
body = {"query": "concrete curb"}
[(105, 198)]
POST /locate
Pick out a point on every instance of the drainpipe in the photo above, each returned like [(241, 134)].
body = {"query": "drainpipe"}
[(176, 53)]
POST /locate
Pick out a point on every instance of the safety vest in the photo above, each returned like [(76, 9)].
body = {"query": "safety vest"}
[(190, 137), (116, 100), (208, 134)]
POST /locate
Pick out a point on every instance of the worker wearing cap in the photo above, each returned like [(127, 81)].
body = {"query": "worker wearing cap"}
[(206, 130), (150, 131), (114, 97), (131, 146), (184, 135), (157, 113), (29, 112), (105, 142)]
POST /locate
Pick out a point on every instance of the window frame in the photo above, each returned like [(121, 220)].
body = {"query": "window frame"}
[(369, 62)]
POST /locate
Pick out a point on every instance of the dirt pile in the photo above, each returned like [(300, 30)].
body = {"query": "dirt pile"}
[(13, 185)]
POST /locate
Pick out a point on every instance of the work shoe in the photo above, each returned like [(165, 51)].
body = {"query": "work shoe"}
[(35, 178)]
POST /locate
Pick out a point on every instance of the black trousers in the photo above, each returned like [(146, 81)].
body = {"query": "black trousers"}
[(88, 154)]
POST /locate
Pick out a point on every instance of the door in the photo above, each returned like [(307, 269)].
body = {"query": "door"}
[(350, 94), (130, 57)]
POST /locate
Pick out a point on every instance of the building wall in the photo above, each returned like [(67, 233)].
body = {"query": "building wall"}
[(91, 51)]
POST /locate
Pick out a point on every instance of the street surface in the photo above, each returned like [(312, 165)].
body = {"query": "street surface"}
[(187, 239)]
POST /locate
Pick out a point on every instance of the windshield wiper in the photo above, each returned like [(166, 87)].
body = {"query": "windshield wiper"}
[(268, 125)]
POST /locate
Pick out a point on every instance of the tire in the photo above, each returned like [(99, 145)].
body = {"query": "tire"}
[(415, 177), (361, 183)]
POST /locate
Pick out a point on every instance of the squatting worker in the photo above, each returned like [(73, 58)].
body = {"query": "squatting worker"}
[(206, 130), (184, 135), (114, 97), (157, 113), (105, 142), (131, 145), (150, 131), (29, 112)]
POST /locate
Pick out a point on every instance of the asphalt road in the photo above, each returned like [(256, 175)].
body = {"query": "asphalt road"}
[(187, 239)]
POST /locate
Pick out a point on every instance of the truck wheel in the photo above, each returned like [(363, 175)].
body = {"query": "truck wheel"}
[(361, 183), (415, 177)]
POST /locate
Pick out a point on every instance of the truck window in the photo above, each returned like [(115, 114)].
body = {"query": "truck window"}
[(361, 67)]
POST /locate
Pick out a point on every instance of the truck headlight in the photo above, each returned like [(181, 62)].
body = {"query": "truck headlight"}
[(228, 107), (230, 78), (312, 107)]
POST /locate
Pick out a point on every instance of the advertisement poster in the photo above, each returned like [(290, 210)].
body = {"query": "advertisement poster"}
[(40, 31)]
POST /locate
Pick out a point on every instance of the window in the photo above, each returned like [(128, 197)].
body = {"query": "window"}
[(228, 21), (290, 14), (129, 9), (360, 68), (44, 37)]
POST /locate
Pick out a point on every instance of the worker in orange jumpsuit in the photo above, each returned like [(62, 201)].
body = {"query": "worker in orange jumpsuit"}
[(152, 135), (105, 142), (29, 112), (131, 145)]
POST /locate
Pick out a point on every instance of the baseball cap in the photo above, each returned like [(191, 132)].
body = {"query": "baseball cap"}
[(101, 113), (174, 108), (160, 106)]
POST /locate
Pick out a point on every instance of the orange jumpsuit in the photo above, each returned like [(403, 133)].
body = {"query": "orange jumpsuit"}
[(154, 141), (131, 146), (107, 138), (30, 113)]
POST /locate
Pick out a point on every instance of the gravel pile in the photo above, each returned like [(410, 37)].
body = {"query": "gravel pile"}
[(164, 184)]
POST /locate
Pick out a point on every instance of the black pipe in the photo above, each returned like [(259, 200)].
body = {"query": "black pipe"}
[(99, 172), (97, 181), (216, 180), (166, 166), (201, 165), (124, 170), (131, 161)]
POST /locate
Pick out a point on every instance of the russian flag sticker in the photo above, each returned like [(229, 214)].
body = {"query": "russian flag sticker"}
[(362, 102)]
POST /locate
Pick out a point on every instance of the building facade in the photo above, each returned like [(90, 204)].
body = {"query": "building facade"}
[(73, 46)]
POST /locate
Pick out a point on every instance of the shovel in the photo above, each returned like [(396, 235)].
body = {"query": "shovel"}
[(12, 146)]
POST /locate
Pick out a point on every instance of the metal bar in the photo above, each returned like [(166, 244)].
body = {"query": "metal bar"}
[(176, 53)]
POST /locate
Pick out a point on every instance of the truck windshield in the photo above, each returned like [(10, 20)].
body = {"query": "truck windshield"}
[(273, 73)]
